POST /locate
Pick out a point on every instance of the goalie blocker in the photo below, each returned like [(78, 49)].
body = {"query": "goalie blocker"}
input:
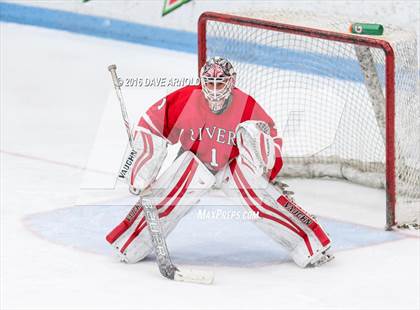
[(142, 162)]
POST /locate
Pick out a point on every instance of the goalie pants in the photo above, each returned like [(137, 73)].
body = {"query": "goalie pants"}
[(187, 179)]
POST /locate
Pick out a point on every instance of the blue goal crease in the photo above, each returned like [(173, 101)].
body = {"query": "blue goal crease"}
[(184, 41), (224, 242)]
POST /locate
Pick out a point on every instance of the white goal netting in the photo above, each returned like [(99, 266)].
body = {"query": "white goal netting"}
[(328, 99)]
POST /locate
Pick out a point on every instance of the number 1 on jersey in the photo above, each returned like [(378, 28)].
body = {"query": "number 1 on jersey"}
[(214, 158)]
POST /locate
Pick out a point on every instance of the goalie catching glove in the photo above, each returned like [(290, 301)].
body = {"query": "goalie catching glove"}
[(142, 163), (256, 146)]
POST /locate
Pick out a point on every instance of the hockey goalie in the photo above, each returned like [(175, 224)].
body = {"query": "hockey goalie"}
[(227, 141)]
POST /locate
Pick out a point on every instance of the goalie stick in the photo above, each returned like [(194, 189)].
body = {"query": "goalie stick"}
[(116, 82), (166, 267)]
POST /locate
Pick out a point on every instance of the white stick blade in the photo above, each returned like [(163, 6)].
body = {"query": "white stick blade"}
[(194, 276)]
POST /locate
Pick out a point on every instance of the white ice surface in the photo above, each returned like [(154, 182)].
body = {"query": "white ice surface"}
[(54, 92)]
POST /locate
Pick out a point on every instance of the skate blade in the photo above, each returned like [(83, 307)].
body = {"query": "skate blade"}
[(323, 260)]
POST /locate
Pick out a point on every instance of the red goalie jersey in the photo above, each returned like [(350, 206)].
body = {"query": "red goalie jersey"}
[(184, 116)]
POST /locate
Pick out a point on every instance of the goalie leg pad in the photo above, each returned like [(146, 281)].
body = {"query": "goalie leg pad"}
[(173, 194), (278, 216)]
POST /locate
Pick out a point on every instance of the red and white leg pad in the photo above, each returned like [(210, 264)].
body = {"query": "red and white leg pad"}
[(278, 216), (174, 194)]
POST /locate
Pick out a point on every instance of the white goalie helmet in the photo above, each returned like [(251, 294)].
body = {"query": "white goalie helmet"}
[(217, 81)]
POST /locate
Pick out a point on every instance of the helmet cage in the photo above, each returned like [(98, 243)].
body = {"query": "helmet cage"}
[(217, 89)]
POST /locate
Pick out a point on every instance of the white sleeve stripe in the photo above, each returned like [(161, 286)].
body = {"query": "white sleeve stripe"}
[(150, 123), (278, 147), (142, 129)]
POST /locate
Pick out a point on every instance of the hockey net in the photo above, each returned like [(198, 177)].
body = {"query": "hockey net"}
[(346, 106)]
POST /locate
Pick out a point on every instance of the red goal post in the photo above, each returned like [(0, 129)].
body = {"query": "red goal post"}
[(218, 21)]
